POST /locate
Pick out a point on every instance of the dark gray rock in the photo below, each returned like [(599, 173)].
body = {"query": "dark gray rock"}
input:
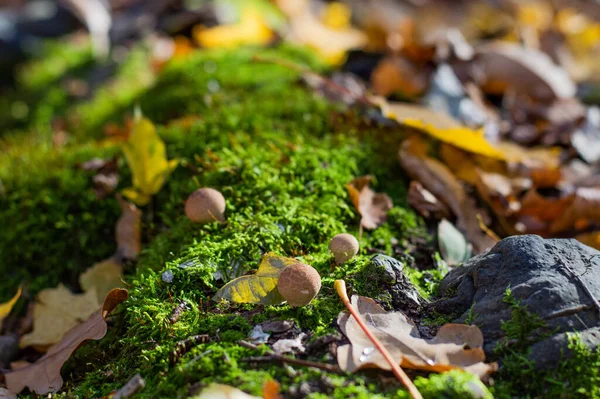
[(388, 271), (541, 275), (9, 347)]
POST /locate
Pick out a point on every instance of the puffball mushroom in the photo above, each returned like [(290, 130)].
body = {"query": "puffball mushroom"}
[(344, 247), (205, 205), (298, 284)]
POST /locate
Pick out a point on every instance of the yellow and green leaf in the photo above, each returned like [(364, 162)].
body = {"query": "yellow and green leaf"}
[(259, 288), (146, 155)]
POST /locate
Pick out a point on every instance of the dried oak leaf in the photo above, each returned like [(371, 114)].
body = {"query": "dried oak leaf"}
[(373, 207), (439, 181), (56, 311), (43, 376), (456, 346), (102, 277), (128, 233)]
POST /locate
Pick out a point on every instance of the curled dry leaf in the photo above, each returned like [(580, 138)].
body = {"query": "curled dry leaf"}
[(43, 376), (439, 180), (373, 207), (128, 233), (260, 287), (456, 346), (58, 310), (526, 70), (425, 202)]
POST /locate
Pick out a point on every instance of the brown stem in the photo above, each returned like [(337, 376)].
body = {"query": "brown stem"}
[(285, 359), (340, 287)]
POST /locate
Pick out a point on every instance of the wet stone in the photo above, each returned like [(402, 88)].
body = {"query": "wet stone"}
[(551, 278)]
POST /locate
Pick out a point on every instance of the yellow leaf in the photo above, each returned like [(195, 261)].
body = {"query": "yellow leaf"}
[(6, 307), (252, 29), (260, 287), (102, 277), (442, 127), (219, 391), (56, 311), (146, 155)]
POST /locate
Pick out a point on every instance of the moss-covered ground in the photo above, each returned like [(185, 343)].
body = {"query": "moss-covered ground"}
[(280, 154)]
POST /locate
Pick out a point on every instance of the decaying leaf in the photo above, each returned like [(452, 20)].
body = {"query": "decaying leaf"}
[(128, 233), (220, 391), (6, 394), (456, 346), (439, 180), (251, 29), (425, 202), (56, 311), (260, 288), (528, 71), (453, 245), (146, 155), (43, 376), (441, 127), (102, 277), (332, 42), (373, 207), (6, 307)]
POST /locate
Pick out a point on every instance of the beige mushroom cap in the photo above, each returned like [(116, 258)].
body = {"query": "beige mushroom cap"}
[(299, 284), (205, 205), (344, 247)]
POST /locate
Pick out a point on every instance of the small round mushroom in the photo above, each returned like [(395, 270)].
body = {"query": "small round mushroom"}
[(299, 284), (205, 205), (344, 247)]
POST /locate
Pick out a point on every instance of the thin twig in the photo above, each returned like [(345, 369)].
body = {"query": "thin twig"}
[(583, 285), (332, 368), (286, 359), (134, 385), (340, 287)]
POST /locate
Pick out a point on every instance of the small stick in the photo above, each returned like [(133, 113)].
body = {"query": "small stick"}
[(340, 287), (285, 359), (583, 285), (134, 385)]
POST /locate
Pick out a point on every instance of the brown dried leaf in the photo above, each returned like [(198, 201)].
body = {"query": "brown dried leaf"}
[(373, 207), (439, 180), (43, 376), (456, 346), (398, 75), (506, 65), (425, 202), (584, 209), (128, 233)]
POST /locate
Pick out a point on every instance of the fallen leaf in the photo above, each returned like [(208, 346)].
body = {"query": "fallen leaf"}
[(504, 65), (260, 288), (591, 239), (146, 155), (102, 277), (305, 28), (441, 127), (425, 202), (58, 310), (453, 246), (6, 307), (271, 390), (288, 345), (43, 376), (373, 207), (251, 29), (220, 391), (398, 75), (439, 180), (128, 233), (585, 208), (456, 346)]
